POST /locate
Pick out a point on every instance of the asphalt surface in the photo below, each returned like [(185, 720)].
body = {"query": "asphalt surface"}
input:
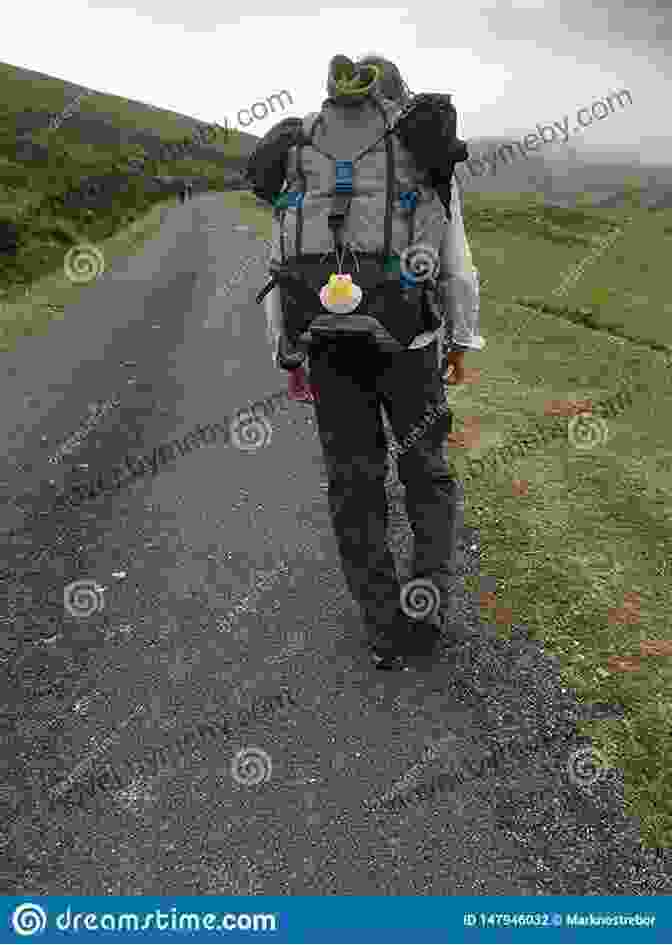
[(222, 587)]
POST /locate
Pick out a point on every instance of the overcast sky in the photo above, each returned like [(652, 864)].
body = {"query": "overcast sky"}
[(510, 64)]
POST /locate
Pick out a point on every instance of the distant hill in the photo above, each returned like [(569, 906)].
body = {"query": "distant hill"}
[(72, 183), (563, 172), (31, 98)]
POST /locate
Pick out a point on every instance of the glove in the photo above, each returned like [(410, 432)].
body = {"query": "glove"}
[(299, 386)]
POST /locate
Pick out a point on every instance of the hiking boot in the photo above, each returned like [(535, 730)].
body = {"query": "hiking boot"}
[(388, 661), (423, 636), (405, 639), (386, 643)]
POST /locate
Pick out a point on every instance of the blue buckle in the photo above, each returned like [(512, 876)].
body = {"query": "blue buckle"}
[(408, 199), (408, 281), (290, 199), (344, 176)]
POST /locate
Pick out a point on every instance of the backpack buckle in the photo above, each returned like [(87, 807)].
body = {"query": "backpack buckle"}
[(290, 198), (344, 176)]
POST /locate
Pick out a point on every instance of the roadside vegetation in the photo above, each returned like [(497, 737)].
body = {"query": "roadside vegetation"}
[(41, 166)]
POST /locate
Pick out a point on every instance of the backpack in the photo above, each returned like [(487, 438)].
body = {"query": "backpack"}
[(427, 128), (388, 295)]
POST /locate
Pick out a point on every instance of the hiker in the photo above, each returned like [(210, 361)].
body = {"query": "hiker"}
[(358, 329), (183, 193)]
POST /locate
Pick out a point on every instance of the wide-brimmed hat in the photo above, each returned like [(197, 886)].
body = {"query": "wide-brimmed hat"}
[(349, 82)]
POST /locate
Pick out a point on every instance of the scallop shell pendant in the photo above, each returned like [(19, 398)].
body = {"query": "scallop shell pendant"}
[(340, 295)]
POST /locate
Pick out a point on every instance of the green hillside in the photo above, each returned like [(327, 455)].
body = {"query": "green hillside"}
[(39, 165), (24, 90)]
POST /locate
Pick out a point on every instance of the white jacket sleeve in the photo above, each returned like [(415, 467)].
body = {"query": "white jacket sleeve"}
[(458, 283), (273, 308)]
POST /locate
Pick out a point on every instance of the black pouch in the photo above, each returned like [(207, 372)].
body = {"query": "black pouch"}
[(389, 314), (267, 165), (428, 130)]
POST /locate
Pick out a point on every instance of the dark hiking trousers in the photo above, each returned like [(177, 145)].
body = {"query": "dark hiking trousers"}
[(352, 381)]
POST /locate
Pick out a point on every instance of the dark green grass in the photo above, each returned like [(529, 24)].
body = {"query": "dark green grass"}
[(32, 190)]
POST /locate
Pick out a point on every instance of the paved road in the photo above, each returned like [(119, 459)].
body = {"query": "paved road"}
[(221, 589)]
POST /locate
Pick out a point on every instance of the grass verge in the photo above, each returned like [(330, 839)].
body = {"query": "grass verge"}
[(29, 310), (579, 539)]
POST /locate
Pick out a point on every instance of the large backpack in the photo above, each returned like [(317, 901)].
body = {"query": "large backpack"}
[(377, 215)]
